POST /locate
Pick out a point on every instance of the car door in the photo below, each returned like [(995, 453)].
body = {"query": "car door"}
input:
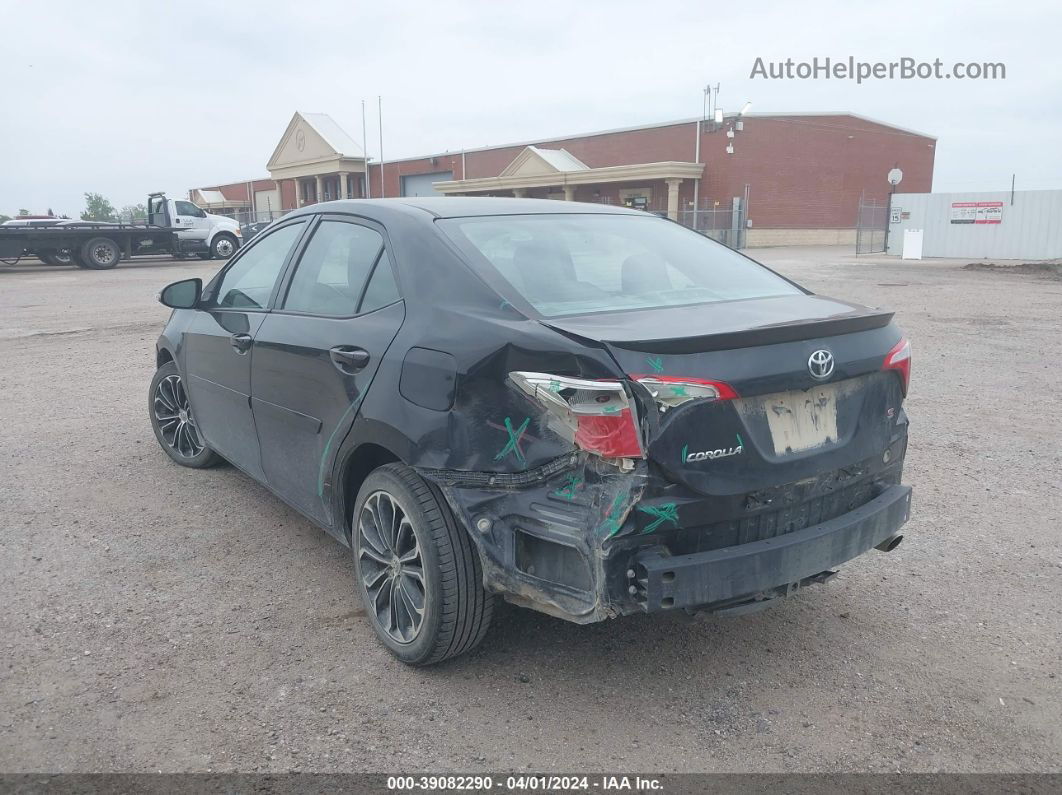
[(316, 354), (191, 221), (217, 346)]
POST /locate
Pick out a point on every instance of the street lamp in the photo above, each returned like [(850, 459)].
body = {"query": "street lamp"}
[(894, 177)]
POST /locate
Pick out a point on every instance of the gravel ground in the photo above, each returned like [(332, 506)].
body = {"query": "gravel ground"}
[(160, 618)]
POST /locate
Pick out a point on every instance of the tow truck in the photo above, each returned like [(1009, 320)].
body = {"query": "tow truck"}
[(172, 226)]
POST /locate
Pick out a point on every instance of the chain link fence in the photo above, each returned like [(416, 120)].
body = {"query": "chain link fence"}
[(872, 219)]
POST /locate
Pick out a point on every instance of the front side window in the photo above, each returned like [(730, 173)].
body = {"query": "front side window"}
[(576, 264), (187, 208), (333, 269), (249, 282)]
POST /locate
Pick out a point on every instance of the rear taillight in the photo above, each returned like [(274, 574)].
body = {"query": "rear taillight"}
[(671, 391), (595, 416), (899, 359)]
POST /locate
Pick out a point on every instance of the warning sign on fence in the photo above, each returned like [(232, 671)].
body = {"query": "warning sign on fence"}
[(977, 212)]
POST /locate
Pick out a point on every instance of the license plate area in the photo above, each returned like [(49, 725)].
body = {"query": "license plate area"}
[(801, 420)]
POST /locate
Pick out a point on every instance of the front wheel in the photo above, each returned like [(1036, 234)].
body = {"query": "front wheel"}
[(173, 423), (417, 571), (223, 246)]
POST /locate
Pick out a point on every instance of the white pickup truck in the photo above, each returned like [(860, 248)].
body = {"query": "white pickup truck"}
[(210, 236)]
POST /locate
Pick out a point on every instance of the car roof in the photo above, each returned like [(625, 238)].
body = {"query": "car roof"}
[(466, 206)]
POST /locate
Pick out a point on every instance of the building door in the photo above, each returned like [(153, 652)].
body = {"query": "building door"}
[(421, 184)]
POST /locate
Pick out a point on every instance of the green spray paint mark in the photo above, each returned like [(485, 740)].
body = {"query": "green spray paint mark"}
[(740, 443), (567, 491), (504, 304), (612, 521), (685, 452), (611, 409), (656, 363), (667, 512), (328, 444), (679, 391), (513, 445), (554, 385)]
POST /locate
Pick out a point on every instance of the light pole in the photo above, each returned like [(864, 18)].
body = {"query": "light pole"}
[(894, 177)]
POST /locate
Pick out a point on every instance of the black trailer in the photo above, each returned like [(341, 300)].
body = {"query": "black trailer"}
[(99, 245)]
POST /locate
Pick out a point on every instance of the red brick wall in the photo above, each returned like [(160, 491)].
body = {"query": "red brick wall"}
[(809, 172), (803, 172)]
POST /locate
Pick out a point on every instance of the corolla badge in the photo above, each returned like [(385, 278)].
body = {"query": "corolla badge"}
[(706, 455), (820, 364)]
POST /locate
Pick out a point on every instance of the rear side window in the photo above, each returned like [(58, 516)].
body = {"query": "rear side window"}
[(575, 264), (382, 289), (333, 269), (249, 282)]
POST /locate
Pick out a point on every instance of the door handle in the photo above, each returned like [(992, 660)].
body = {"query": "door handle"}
[(241, 342), (349, 359)]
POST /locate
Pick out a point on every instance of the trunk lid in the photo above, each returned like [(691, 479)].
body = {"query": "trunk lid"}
[(785, 425)]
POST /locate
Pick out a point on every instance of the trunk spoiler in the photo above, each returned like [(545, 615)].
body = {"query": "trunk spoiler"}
[(725, 325)]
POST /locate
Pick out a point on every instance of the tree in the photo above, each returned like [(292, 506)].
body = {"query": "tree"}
[(23, 212), (4, 218), (98, 208), (133, 212)]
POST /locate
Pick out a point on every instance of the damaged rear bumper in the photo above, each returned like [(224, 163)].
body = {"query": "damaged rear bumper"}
[(761, 569), (570, 539)]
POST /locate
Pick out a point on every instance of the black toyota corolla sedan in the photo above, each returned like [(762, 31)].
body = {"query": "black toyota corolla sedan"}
[(585, 410)]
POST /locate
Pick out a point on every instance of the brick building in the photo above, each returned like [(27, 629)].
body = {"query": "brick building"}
[(791, 178)]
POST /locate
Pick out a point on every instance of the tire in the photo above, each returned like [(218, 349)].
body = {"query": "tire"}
[(172, 421), (456, 610), (223, 246), (56, 257), (75, 258), (101, 253)]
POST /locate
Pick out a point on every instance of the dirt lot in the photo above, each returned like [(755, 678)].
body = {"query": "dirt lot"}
[(159, 618)]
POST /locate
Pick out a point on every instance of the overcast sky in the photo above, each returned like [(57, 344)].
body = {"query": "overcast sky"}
[(127, 98)]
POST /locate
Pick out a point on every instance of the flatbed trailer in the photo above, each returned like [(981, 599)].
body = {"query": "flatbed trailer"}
[(96, 246), (99, 246)]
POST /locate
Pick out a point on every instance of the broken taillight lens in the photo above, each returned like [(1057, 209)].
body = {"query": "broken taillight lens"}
[(671, 391), (595, 416), (899, 359)]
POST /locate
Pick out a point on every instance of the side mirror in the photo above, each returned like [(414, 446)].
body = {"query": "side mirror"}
[(184, 294)]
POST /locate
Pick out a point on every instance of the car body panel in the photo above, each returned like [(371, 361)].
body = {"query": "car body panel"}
[(302, 402), (219, 384)]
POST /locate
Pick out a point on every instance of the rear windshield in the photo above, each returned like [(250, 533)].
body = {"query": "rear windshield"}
[(577, 264)]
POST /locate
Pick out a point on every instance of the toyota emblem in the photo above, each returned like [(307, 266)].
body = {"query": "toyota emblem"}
[(820, 364)]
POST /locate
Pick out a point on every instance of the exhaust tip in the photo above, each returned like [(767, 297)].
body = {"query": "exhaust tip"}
[(890, 543)]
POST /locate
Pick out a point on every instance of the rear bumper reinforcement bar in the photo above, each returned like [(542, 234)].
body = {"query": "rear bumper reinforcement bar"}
[(700, 579)]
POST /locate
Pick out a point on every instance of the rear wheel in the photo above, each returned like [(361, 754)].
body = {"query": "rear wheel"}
[(173, 423), (418, 573), (101, 253), (56, 257)]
